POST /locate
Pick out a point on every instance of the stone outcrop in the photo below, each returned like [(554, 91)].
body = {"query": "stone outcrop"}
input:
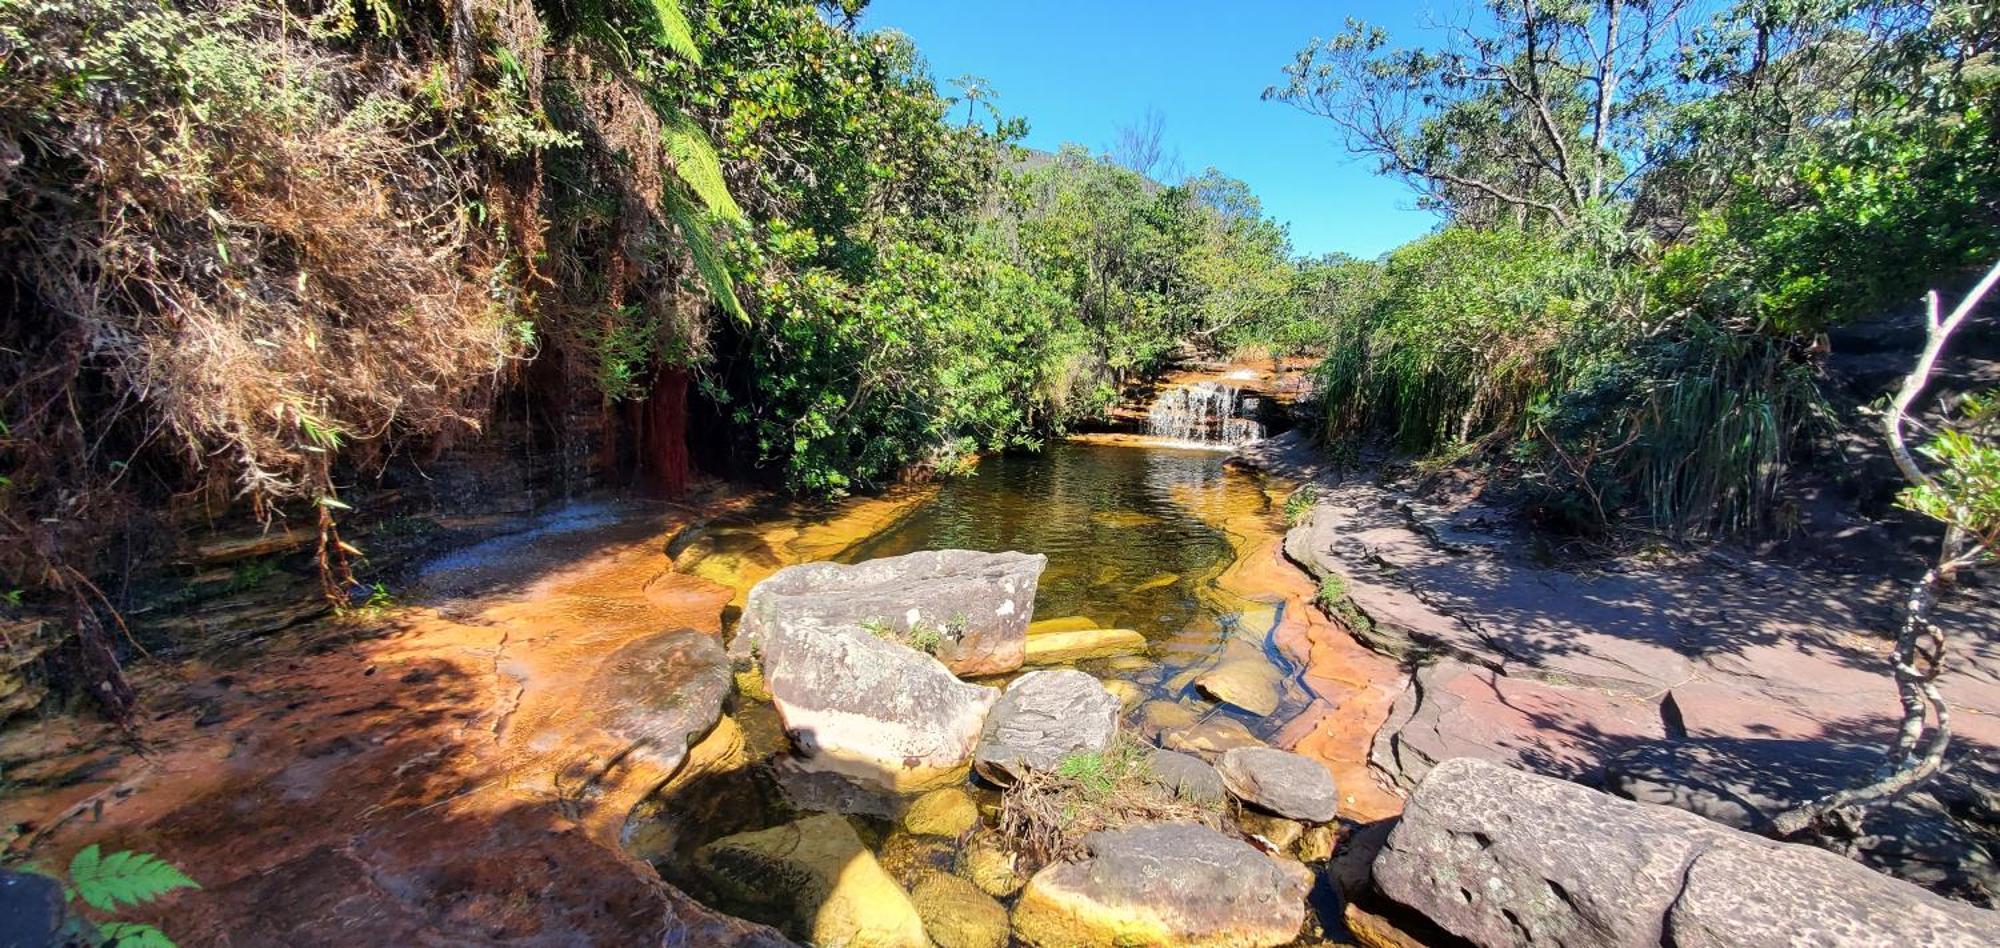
[(973, 607), (1169, 884), (1502, 857), (1043, 717), (871, 709), (816, 877), (1282, 782)]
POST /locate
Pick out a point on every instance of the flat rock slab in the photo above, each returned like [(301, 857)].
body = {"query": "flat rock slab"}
[(1168, 884), (817, 875), (1043, 717), (1078, 645), (664, 693), (872, 709), (976, 605), (1502, 857), (1937, 835), (1282, 782)]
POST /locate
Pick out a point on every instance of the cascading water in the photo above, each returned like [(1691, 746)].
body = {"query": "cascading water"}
[(1204, 413)]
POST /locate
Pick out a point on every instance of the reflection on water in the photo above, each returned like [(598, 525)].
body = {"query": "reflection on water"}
[(1122, 547)]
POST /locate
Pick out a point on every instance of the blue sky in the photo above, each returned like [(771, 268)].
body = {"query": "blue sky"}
[(1077, 70)]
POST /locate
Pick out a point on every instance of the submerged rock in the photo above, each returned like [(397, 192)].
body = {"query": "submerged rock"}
[(664, 692), (1211, 737), (1063, 648), (973, 608), (872, 709), (1282, 782), (1245, 677), (987, 862), (948, 811), (957, 915), (1043, 717), (1061, 624), (1502, 857), (1173, 884), (818, 876)]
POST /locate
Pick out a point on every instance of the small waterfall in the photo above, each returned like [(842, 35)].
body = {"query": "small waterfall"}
[(1211, 414)]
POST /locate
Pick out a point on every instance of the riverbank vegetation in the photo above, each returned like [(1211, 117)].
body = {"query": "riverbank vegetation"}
[(1655, 213), (255, 256)]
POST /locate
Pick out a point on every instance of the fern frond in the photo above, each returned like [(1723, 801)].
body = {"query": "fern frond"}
[(133, 935), (124, 876), (676, 33), (696, 163), (699, 235)]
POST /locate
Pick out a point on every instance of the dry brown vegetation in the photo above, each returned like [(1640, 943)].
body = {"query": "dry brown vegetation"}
[(1046, 814)]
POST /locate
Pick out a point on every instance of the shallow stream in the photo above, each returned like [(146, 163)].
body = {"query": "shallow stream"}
[(1136, 538)]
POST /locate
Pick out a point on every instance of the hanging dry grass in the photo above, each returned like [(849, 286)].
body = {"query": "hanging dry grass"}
[(1047, 814)]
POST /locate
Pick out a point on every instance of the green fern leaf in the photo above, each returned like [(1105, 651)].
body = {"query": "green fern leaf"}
[(133, 935), (695, 162), (699, 236), (676, 33), (124, 876)]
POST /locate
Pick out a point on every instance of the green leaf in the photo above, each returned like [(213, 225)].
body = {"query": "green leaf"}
[(700, 239), (124, 876), (676, 33), (695, 162), (133, 935)]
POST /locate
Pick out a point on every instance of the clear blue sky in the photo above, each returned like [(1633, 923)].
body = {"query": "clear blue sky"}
[(1078, 69)]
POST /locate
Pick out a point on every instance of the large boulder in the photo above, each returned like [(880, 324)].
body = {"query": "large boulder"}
[(870, 709), (815, 877), (1502, 857), (1043, 717), (970, 608), (1282, 782), (663, 693), (1170, 884)]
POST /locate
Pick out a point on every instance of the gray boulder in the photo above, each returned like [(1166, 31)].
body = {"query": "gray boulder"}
[(970, 609), (664, 692), (1170, 884), (1043, 717), (870, 709), (1188, 776), (1282, 782), (1502, 857)]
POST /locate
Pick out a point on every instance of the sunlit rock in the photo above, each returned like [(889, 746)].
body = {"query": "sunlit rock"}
[(1064, 648), (816, 875), (1043, 717), (1284, 783)]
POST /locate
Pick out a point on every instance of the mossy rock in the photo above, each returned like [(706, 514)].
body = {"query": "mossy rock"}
[(987, 862), (816, 874)]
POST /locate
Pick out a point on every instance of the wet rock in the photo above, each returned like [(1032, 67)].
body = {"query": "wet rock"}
[(816, 873), (1127, 693), (957, 915), (1352, 868), (1188, 776), (1061, 624), (872, 709), (1156, 719), (977, 605), (1245, 677), (1278, 832), (1921, 836), (664, 692), (1043, 717), (988, 863), (1501, 857), (1064, 648), (1211, 737), (949, 811), (1317, 842), (1168, 884), (910, 858), (1282, 782)]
